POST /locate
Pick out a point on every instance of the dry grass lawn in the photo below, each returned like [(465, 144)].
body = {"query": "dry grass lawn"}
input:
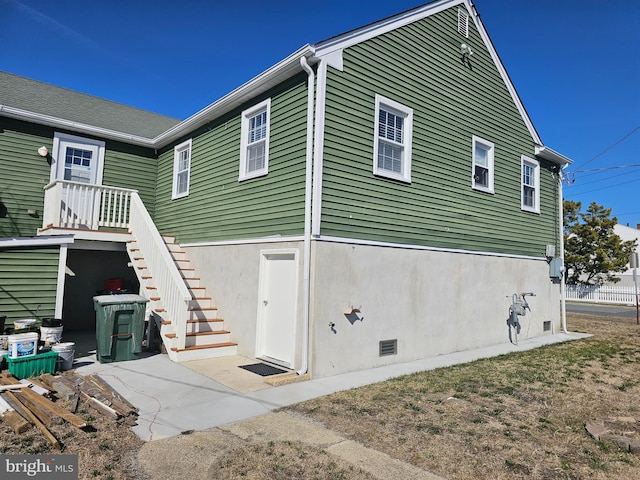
[(512, 417)]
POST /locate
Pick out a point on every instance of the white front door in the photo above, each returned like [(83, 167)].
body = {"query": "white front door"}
[(277, 305), (80, 160)]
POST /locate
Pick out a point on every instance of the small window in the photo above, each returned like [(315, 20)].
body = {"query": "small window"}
[(254, 145), (392, 144), (463, 23), (530, 185), (482, 174), (181, 169)]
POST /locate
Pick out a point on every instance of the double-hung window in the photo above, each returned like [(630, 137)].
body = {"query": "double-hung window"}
[(181, 169), (530, 185), (254, 144), (482, 174), (392, 144)]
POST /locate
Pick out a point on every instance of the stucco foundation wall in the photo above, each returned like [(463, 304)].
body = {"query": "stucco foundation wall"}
[(231, 274), (431, 302)]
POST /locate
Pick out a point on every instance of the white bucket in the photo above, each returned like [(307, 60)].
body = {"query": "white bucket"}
[(23, 345), (65, 355), (50, 335), (26, 323)]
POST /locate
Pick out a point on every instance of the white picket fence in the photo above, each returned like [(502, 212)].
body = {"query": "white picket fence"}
[(603, 294)]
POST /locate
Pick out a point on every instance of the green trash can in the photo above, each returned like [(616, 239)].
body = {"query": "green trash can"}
[(120, 323)]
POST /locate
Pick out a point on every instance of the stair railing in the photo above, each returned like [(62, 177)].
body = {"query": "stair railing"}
[(166, 277)]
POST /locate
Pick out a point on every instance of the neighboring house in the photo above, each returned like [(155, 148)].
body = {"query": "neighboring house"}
[(374, 198), (627, 233)]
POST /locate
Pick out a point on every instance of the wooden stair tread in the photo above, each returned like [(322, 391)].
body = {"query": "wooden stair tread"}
[(201, 309), (200, 334), (202, 347)]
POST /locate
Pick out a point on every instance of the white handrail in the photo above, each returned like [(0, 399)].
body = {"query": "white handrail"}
[(167, 279), (84, 205)]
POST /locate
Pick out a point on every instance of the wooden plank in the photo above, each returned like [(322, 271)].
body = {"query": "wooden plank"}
[(12, 418), (127, 406), (53, 440), (13, 387), (55, 409), (43, 415), (101, 407)]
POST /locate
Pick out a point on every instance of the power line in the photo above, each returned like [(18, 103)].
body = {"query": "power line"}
[(603, 188), (611, 146)]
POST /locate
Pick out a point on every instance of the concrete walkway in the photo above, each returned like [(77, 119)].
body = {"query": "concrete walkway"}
[(174, 398)]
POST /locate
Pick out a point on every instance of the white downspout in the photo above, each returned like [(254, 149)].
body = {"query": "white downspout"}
[(306, 300), (563, 305)]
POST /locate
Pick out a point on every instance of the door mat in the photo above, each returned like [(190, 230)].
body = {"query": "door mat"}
[(263, 369)]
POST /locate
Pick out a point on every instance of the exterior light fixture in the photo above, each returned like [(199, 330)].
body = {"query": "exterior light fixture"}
[(466, 49), (43, 151)]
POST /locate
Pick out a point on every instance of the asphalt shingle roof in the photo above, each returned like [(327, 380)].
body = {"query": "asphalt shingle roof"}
[(46, 99)]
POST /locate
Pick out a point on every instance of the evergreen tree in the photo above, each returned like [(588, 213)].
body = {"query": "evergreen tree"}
[(593, 252)]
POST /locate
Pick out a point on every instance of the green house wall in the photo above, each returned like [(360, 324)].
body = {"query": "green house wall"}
[(28, 280), (219, 207), (24, 174), (420, 66)]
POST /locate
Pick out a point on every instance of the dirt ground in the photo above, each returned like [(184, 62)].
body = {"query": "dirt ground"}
[(512, 417)]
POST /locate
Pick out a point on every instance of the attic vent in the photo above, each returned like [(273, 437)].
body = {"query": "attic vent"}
[(546, 326), (388, 347), (463, 23)]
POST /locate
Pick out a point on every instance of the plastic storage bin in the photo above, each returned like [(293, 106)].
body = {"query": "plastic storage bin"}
[(25, 367), (119, 327), (23, 344)]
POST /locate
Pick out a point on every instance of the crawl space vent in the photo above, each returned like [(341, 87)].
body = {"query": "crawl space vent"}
[(463, 23), (388, 347), (546, 325)]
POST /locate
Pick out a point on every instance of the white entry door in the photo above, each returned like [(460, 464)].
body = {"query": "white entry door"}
[(79, 160), (277, 305)]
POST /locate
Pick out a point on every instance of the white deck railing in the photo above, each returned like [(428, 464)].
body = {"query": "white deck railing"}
[(601, 294), (166, 277), (87, 206)]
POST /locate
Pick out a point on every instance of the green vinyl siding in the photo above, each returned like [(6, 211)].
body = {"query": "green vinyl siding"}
[(420, 66), (23, 176), (28, 280), (127, 166), (219, 207)]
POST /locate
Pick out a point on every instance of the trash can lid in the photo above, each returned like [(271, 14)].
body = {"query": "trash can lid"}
[(113, 299)]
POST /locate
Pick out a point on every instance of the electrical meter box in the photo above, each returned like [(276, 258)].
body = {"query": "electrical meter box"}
[(556, 267)]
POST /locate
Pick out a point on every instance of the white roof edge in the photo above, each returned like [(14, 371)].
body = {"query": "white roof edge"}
[(57, 122), (267, 79), (551, 155), (36, 241), (372, 30), (503, 71)]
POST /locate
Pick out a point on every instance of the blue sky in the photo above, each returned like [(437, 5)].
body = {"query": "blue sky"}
[(574, 63)]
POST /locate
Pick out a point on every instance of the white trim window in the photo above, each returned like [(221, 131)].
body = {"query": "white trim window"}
[(254, 143), (392, 143), (181, 169), (483, 165), (530, 181)]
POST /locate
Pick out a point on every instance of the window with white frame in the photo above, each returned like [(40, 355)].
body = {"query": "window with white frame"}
[(392, 144), (530, 185), (482, 174), (181, 169), (254, 144)]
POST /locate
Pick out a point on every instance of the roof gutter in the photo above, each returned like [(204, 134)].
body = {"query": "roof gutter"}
[(263, 82), (56, 122), (548, 154)]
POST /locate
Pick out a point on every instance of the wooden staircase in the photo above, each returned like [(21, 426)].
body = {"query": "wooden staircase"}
[(206, 336)]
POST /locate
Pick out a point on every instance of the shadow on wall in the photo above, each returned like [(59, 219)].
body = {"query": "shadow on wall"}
[(92, 268)]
